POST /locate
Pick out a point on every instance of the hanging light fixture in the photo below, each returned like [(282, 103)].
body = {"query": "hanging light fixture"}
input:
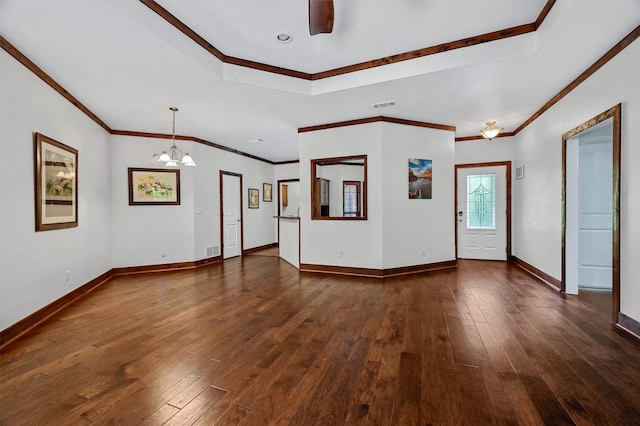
[(173, 156), (491, 131)]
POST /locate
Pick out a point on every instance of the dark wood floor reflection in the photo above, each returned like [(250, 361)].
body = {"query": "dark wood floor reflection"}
[(599, 301), (252, 341)]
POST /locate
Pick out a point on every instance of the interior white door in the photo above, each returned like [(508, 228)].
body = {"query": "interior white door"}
[(595, 221), (231, 216), (482, 213)]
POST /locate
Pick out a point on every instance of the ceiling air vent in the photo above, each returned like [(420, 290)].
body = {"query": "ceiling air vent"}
[(384, 104)]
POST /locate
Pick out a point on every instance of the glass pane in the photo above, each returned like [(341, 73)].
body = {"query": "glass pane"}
[(481, 201), (350, 200)]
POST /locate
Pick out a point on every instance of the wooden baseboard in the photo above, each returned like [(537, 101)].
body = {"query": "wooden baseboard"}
[(255, 249), (628, 325), (377, 273), (28, 323), (208, 261), (165, 267), (552, 282)]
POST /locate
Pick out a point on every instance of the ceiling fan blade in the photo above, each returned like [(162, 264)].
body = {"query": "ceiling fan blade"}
[(320, 16)]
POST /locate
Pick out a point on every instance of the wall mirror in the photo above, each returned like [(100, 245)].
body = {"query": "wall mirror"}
[(339, 188)]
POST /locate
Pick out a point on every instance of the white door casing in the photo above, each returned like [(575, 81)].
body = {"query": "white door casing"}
[(231, 216), (488, 242)]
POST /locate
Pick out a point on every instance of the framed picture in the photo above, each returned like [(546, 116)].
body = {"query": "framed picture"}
[(56, 184), (266, 192), (253, 198), (152, 187), (420, 175)]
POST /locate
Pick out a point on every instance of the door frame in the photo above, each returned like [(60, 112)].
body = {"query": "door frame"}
[(279, 183), (615, 113), (222, 173), (507, 165)]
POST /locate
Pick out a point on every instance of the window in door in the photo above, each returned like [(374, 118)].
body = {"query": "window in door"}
[(351, 198), (481, 201)]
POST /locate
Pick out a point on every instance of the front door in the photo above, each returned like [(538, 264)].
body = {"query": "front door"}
[(231, 216), (482, 213)]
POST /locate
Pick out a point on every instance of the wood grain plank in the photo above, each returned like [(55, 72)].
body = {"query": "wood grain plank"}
[(197, 407), (406, 406)]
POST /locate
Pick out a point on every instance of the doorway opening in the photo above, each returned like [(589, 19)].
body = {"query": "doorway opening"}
[(591, 212)]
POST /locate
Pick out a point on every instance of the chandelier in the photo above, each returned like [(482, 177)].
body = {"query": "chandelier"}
[(491, 131), (173, 156)]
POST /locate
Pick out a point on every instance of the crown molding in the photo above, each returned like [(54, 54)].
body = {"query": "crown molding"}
[(188, 139), (20, 57), (400, 57), (622, 44), (615, 50), (375, 120)]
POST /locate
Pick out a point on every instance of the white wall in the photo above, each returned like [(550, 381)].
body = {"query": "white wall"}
[(411, 225), (485, 151), (287, 171), (359, 240), (537, 199), (32, 264), (258, 224), (397, 228), (141, 234), (193, 225)]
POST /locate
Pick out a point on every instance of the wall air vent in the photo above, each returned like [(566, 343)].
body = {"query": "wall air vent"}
[(384, 104), (212, 251)]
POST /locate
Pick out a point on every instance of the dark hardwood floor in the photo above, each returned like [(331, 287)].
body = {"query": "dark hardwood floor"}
[(600, 301), (252, 341)]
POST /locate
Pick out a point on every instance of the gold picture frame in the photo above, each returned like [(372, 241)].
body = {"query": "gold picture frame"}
[(56, 184), (254, 198), (267, 192)]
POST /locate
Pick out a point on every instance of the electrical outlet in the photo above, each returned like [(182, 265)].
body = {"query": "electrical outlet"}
[(163, 253), (340, 253), (67, 275), (424, 251)]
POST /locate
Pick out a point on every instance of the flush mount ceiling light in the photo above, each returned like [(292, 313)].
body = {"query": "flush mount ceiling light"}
[(284, 38), (491, 131), (173, 156)]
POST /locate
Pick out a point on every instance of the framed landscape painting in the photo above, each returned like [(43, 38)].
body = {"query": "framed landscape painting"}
[(56, 184), (419, 179), (154, 187)]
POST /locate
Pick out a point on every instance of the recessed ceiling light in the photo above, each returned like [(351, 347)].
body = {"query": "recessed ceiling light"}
[(284, 38)]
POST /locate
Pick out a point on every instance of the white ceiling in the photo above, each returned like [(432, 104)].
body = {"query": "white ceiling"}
[(128, 65)]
